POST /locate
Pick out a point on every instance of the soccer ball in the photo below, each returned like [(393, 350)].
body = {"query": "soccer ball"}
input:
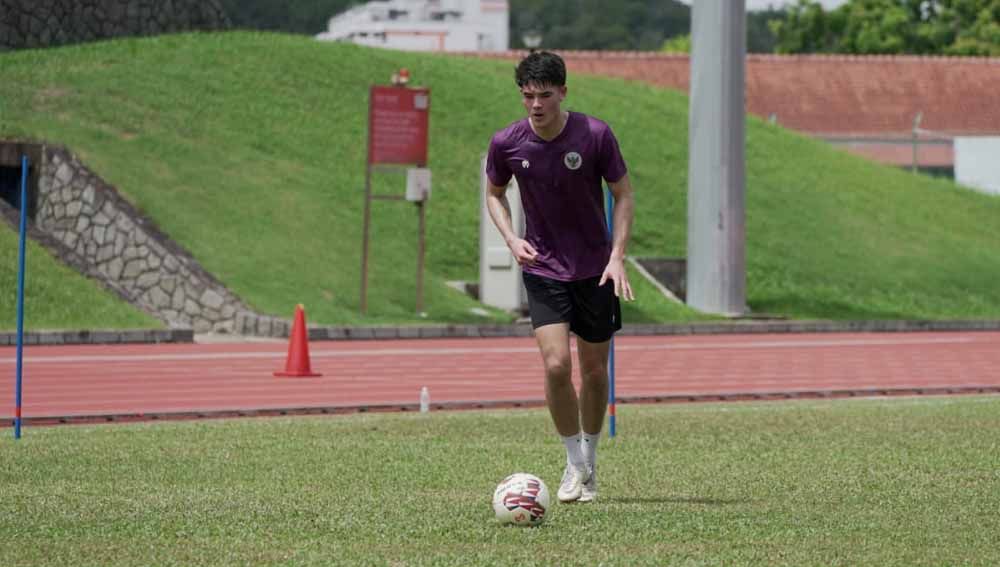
[(521, 499)]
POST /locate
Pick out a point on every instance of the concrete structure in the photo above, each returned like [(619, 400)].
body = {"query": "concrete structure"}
[(716, 233), (500, 283), (977, 162), (424, 25)]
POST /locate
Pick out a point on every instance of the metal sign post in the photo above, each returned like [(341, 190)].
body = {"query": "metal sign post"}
[(397, 138)]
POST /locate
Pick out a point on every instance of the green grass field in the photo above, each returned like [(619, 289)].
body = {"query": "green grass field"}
[(885, 482), (248, 149), (57, 297)]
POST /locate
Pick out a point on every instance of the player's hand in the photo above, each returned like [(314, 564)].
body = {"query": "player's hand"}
[(615, 271), (523, 252)]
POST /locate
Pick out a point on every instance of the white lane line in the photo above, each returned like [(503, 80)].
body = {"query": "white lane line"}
[(808, 343)]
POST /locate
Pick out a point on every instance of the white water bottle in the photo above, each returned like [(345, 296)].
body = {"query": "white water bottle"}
[(425, 400)]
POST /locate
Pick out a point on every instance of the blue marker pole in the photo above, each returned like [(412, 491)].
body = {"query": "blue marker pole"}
[(20, 293), (609, 203)]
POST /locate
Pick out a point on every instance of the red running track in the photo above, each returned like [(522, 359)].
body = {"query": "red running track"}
[(70, 383)]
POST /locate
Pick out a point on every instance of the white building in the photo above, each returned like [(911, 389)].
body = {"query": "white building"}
[(424, 25)]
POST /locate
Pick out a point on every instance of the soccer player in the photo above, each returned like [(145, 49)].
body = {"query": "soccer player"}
[(573, 273)]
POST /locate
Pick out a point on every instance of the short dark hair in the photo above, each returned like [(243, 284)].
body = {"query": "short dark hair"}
[(541, 68)]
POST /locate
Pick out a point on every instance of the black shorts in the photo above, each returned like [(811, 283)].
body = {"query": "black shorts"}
[(593, 313)]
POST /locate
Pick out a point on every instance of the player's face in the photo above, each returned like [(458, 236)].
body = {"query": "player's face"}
[(542, 103)]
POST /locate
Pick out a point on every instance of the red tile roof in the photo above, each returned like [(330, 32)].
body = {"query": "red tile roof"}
[(835, 95)]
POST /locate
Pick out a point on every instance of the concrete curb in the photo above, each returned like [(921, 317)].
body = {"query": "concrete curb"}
[(100, 337), (321, 333), (748, 327), (730, 397)]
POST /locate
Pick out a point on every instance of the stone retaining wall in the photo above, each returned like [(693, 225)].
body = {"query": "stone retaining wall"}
[(44, 23), (103, 236)]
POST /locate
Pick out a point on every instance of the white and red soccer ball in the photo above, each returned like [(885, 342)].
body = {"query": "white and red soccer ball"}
[(521, 499)]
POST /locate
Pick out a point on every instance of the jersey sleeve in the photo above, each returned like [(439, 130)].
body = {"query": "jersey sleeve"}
[(612, 164), (497, 170)]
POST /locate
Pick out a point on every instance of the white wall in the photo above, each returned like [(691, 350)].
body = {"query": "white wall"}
[(468, 25), (977, 162), (500, 283)]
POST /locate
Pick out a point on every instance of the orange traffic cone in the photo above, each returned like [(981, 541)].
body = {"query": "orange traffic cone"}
[(297, 364)]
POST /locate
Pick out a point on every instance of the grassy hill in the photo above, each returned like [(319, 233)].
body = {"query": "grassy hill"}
[(249, 148)]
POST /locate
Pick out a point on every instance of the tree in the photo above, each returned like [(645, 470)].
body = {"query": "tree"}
[(807, 28), (563, 24), (677, 44), (760, 38), (960, 27), (598, 24), (979, 27), (295, 16)]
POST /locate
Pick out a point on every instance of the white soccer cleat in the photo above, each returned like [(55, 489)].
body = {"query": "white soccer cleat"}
[(571, 487), (589, 492)]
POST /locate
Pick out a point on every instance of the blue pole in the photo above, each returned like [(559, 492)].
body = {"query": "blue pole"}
[(609, 203), (20, 293)]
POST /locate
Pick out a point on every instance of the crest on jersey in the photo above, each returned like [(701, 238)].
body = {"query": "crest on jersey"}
[(525, 164), (572, 160)]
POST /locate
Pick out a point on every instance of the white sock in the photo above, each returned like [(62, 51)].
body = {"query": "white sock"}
[(574, 454), (589, 446)]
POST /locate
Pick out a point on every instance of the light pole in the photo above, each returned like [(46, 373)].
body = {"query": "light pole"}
[(716, 263), (532, 39)]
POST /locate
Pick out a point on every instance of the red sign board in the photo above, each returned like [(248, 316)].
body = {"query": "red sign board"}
[(397, 125)]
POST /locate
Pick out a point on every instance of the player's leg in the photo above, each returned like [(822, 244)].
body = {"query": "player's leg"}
[(596, 317), (560, 395), (593, 406), (593, 359), (551, 306)]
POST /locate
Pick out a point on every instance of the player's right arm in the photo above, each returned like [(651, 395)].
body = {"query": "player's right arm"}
[(499, 209)]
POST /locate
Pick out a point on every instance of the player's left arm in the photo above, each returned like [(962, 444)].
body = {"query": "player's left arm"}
[(621, 215)]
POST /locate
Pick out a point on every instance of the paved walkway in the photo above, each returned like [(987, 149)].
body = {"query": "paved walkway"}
[(125, 382)]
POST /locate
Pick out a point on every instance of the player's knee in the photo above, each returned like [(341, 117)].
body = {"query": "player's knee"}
[(594, 377), (558, 368)]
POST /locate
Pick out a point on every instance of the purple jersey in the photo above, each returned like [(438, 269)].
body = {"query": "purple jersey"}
[(561, 192)]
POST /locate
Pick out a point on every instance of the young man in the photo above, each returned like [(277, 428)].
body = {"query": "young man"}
[(573, 273)]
